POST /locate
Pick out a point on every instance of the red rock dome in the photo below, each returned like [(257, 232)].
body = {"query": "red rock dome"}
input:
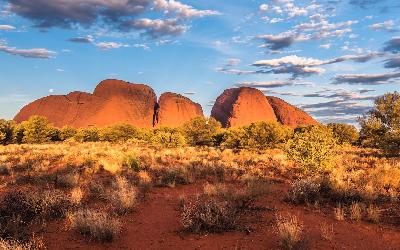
[(176, 110), (242, 106), (288, 114)]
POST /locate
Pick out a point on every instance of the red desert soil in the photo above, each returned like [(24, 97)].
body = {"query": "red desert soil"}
[(155, 225), (176, 109), (242, 106)]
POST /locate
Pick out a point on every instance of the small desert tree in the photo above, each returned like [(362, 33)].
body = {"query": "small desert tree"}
[(380, 127), (344, 133), (67, 132), (201, 131), (37, 130), (264, 135), (87, 135), (168, 137), (314, 148), (6, 131), (119, 132)]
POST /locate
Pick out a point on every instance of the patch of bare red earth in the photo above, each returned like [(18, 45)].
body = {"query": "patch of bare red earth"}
[(155, 225)]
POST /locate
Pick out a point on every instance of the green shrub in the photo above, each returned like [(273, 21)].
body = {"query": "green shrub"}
[(37, 130), (18, 134), (87, 135), (119, 132), (132, 162), (6, 131), (67, 132), (380, 127), (233, 138), (314, 148), (202, 131), (344, 133), (168, 137), (264, 135)]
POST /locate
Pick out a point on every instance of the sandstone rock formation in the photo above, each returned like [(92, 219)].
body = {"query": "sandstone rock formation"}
[(288, 114), (176, 110), (112, 102), (242, 106)]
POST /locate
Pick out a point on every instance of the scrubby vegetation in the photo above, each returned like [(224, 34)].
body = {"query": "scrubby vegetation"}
[(92, 179)]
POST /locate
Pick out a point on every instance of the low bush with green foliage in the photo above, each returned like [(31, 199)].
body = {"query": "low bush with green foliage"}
[(168, 137), (6, 131), (314, 148), (344, 133), (37, 130), (380, 127), (202, 131)]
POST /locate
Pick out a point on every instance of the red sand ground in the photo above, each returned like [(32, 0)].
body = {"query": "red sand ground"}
[(155, 225)]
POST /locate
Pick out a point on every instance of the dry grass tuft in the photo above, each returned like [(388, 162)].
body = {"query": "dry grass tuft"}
[(355, 211), (290, 231), (339, 213), (95, 225), (123, 196), (327, 232), (373, 214)]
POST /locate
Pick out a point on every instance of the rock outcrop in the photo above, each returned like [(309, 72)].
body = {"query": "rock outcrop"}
[(176, 110), (290, 115), (112, 102), (242, 106)]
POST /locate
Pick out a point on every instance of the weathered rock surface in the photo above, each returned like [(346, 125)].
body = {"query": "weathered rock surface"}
[(242, 106), (288, 114), (113, 101), (176, 110)]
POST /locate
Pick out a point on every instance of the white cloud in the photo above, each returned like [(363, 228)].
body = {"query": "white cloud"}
[(387, 25), (6, 27), (182, 10), (233, 62), (325, 46), (264, 7), (110, 45)]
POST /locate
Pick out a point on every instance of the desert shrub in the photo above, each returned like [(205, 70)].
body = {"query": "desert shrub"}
[(264, 135), (144, 182), (18, 133), (327, 231), (169, 177), (380, 127), (6, 131), (290, 231), (208, 215), (132, 162), (355, 211), (33, 244), (123, 196), (304, 191), (219, 208), (96, 225), (314, 148), (87, 135), (373, 213), (76, 196), (67, 132), (344, 133), (339, 212), (18, 210), (37, 130), (201, 131), (233, 138), (168, 137), (67, 180), (119, 132)]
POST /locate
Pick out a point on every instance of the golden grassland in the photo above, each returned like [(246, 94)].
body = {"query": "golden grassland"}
[(71, 181)]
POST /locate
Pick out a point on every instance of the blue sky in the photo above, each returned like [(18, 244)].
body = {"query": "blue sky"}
[(331, 58)]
